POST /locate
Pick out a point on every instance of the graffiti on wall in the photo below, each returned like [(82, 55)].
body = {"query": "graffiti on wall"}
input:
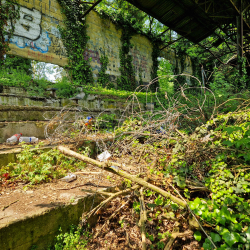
[(140, 62), (28, 31), (36, 33), (37, 37)]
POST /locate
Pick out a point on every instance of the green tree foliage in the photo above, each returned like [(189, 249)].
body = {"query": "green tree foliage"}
[(8, 11), (164, 73), (18, 63)]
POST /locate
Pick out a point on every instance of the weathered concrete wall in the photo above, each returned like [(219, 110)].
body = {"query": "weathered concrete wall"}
[(17, 96), (42, 41), (40, 228), (36, 32), (7, 129)]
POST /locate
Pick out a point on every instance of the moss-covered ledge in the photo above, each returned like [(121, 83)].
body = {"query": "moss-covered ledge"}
[(40, 227)]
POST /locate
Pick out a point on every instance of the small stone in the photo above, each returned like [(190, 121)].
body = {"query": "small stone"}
[(29, 192), (45, 197)]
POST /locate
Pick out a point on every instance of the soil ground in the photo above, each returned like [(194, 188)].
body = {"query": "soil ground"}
[(16, 202)]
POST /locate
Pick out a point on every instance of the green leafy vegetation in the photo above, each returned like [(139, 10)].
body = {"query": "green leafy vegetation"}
[(103, 78), (9, 11), (224, 166), (76, 238), (38, 166), (75, 39)]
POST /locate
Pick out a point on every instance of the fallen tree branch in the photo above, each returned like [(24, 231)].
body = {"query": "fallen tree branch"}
[(98, 192), (111, 216), (175, 235), (194, 216), (111, 197), (122, 173)]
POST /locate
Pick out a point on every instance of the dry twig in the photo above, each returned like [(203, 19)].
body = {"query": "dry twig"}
[(143, 219), (13, 202)]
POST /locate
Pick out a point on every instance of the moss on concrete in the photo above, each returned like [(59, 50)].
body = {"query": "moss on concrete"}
[(41, 227)]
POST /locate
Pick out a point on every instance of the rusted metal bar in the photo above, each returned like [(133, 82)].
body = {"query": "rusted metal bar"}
[(239, 11), (211, 53), (91, 8), (171, 42), (164, 32)]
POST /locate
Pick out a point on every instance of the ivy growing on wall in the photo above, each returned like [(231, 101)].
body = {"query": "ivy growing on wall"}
[(103, 78), (155, 54), (127, 79), (75, 40), (9, 13)]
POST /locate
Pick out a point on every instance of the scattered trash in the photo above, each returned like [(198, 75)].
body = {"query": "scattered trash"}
[(115, 167), (104, 156), (206, 138), (14, 138), (89, 121), (28, 139), (69, 178)]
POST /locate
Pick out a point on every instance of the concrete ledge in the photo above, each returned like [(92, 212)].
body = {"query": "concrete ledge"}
[(7, 129), (41, 227), (8, 156)]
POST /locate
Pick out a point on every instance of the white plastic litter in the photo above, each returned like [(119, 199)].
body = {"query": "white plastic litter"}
[(69, 178), (14, 138), (206, 138), (115, 167), (28, 139), (104, 156)]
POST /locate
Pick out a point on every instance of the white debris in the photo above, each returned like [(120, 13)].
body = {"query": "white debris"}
[(69, 178), (115, 167), (104, 156), (206, 138)]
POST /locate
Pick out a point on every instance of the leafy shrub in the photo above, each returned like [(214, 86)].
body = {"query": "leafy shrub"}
[(76, 238), (37, 166), (65, 89)]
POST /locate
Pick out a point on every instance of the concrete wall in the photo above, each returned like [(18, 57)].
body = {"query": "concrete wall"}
[(7, 129), (25, 107), (42, 41), (40, 227)]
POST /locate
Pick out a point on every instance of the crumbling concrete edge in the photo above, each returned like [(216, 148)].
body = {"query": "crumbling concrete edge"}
[(40, 228)]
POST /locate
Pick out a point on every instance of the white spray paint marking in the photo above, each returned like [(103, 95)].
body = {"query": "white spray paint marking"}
[(28, 25)]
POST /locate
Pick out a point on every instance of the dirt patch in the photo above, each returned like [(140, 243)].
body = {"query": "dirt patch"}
[(16, 202)]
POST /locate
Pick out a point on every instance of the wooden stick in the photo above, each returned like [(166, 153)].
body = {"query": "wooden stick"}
[(111, 197), (111, 216), (143, 219), (122, 173), (176, 235), (9, 205)]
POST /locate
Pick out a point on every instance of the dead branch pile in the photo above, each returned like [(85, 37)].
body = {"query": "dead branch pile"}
[(140, 149)]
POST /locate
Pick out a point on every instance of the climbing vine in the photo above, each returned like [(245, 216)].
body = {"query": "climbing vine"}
[(127, 79), (75, 38), (155, 54), (140, 77), (103, 78), (9, 13)]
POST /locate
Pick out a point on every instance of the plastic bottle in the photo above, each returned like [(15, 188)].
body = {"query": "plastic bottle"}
[(14, 138), (28, 139)]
